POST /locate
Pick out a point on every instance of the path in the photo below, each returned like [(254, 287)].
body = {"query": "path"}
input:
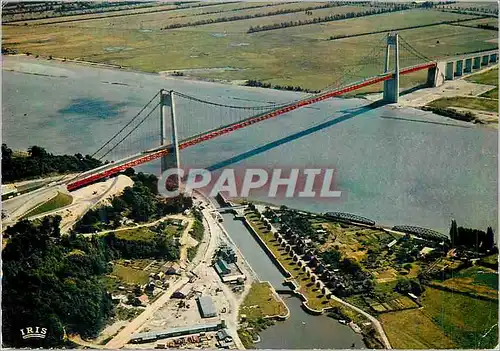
[(374, 321), (150, 224), (125, 334), (123, 337), (184, 241)]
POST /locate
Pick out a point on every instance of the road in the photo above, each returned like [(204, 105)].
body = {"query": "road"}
[(150, 224), (124, 335), (203, 256), (372, 319)]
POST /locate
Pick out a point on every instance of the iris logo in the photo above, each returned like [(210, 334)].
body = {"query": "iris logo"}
[(33, 332)]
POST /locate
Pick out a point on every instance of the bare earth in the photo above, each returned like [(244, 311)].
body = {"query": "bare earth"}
[(86, 198), (451, 88)]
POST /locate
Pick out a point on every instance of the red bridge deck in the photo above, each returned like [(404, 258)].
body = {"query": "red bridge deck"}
[(242, 124)]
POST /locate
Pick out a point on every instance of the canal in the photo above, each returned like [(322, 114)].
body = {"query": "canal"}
[(301, 330)]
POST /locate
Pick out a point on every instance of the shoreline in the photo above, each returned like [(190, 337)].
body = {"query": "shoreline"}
[(294, 286), (478, 120), (119, 68)]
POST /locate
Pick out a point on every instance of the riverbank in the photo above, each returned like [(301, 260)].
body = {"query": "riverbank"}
[(316, 298), (465, 98), (301, 329), (81, 116)]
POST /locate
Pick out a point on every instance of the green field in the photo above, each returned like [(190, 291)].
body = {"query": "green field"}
[(136, 234), (483, 104), (385, 21), (279, 57), (155, 21), (463, 319), (130, 275), (476, 281), (480, 276), (489, 77), (261, 302), (413, 330), (491, 259), (60, 200), (448, 320)]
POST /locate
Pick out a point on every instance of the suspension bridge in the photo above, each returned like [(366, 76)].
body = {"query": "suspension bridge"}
[(167, 140)]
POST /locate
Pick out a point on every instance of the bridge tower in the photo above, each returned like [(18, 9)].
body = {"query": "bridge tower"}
[(168, 117), (391, 86)]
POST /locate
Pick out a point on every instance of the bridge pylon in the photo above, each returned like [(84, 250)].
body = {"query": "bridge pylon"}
[(168, 117), (391, 86)]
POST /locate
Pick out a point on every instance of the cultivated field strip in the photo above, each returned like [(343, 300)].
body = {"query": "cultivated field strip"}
[(381, 22), (177, 10), (242, 26), (14, 12), (186, 17)]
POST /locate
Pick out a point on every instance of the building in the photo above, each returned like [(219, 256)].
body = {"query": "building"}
[(392, 243), (9, 190), (143, 299), (173, 332), (413, 296), (206, 306), (224, 340), (228, 272), (182, 292), (425, 251), (222, 267)]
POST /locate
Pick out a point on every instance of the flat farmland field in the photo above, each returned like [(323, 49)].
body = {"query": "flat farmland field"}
[(490, 5), (384, 21), (158, 20), (413, 330), (299, 56), (90, 16), (447, 320), (243, 25)]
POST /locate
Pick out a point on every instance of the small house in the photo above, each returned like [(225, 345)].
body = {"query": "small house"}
[(143, 299)]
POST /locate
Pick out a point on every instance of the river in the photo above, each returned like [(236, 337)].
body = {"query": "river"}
[(301, 330), (395, 171)]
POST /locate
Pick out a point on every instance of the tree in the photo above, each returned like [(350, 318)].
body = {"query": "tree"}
[(52, 282), (405, 286), (490, 239), (6, 153), (332, 257), (37, 152), (454, 233)]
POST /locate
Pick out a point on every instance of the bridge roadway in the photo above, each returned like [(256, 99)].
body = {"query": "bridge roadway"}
[(146, 156)]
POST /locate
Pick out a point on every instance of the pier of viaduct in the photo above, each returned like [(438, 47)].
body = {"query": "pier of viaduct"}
[(456, 67)]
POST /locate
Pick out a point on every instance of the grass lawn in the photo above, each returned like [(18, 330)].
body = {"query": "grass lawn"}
[(172, 230), (466, 102), (481, 276), (136, 234), (261, 302), (489, 77), (492, 94), (463, 319), (60, 200), (277, 57), (474, 280), (492, 259), (130, 275), (412, 329)]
